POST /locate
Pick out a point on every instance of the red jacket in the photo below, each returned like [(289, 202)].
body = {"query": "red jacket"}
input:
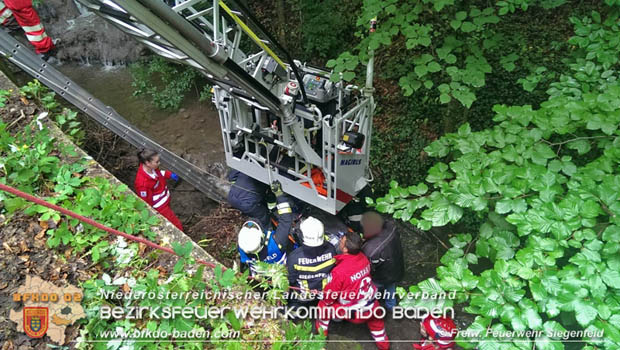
[(350, 285), (153, 189)]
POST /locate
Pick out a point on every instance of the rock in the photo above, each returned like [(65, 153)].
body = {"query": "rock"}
[(182, 110), (186, 116)]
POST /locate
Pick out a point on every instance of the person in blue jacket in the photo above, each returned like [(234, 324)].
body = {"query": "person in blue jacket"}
[(257, 243), (248, 195)]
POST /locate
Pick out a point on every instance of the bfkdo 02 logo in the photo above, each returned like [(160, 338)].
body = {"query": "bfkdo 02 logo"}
[(36, 318), (36, 321)]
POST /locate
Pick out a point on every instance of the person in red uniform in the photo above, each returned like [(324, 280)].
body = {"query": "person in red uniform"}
[(438, 333), (151, 185), (29, 20), (350, 293)]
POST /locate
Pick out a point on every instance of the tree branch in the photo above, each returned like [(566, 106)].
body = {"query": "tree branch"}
[(577, 139)]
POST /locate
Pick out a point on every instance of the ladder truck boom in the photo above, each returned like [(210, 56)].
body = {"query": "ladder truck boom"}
[(281, 120)]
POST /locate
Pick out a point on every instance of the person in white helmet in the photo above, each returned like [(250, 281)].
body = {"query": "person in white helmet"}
[(310, 264), (256, 243)]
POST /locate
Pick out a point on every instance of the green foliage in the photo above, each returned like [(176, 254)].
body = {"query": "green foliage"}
[(4, 94), (448, 45), (149, 283), (438, 52), (324, 27), (29, 163), (66, 119), (166, 83), (41, 94), (25, 160), (68, 122), (546, 182), (272, 276), (407, 164), (296, 336), (514, 49)]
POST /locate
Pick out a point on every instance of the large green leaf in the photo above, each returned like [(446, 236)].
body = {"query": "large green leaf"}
[(430, 286), (585, 313), (612, 233), (590, 209), (545, 343), (532, 318), (611, 278)]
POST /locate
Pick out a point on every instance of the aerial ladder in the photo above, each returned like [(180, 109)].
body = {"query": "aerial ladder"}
[(281, 120)]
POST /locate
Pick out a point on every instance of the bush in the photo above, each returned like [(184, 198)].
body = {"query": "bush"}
[(545, 180)]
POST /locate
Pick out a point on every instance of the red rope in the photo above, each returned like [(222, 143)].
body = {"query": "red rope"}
[(92, 222)]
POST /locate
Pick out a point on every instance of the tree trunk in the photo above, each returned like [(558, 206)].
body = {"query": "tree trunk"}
[(282, 25)]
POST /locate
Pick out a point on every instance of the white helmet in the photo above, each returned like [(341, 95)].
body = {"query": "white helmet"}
[(312, 231), (251, 238)]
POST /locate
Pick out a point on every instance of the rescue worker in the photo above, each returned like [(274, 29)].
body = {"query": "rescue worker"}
[(29, 20), (334, 227), (383, 248), (438, 333), (151, 185), (257, 243), (248, 195), (350, 293), (310, 264)]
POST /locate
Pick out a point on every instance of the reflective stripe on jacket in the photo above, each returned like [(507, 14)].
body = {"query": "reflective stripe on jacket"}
[(350, 285), (309, 267), (153, 188)]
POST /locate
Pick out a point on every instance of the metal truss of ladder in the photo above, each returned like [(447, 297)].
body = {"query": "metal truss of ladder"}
[(29, 62)]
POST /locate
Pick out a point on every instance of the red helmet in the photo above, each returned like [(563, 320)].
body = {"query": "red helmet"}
[(442, 330)]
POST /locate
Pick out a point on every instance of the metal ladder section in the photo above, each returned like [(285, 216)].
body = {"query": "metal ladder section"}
[(250, 92), (25, 59)]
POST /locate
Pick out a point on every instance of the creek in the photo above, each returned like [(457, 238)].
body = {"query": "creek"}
[(193, 130)]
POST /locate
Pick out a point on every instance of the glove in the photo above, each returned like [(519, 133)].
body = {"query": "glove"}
[(276, 188), (174, 177)]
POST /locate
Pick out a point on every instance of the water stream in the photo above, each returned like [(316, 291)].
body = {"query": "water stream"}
[(193, 130)]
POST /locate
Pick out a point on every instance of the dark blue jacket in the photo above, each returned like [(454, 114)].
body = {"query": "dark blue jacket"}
[(248, 195), (277, 242)]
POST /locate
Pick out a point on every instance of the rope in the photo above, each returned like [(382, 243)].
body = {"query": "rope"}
[(92, 222)]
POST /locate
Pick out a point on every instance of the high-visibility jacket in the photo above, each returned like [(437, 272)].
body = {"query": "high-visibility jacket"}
[(28, 19), (309, 267), (152, 188)]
